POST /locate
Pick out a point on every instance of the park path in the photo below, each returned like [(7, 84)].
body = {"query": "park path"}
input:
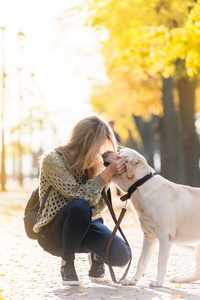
[(29, 273)]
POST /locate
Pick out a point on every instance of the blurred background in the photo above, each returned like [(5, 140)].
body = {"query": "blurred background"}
[(136, 62)]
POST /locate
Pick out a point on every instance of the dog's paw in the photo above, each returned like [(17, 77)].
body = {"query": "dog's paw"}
[(175, 279), (155, 284), (128, 282)]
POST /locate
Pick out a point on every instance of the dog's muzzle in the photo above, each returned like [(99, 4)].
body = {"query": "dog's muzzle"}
[(106, 164)]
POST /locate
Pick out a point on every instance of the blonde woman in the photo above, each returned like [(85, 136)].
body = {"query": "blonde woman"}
[(71, 221)]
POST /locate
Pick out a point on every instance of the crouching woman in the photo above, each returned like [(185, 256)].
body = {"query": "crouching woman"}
[(71, 221)]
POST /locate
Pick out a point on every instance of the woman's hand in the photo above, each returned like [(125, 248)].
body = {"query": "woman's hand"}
[(116, 166)]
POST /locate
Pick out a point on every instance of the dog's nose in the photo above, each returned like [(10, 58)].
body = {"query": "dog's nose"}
[(106, 163), (104, 155)]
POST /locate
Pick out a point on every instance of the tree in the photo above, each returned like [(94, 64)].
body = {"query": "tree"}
[(149, 44)]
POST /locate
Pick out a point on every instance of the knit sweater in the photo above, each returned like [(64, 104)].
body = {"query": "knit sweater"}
[(67, 186)]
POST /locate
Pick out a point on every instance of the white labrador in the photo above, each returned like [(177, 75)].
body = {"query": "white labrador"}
[(167, 212)]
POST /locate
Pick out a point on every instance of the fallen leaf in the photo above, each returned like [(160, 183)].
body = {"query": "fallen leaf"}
[(81, 291), (177, 296), (178, 287), (2, 274), (2, 298), (16, 261), (67, 294)]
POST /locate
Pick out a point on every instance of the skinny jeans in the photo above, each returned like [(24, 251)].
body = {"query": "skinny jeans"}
[(72, 231)]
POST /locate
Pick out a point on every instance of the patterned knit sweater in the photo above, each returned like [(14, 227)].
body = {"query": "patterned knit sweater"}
[(67, 186)]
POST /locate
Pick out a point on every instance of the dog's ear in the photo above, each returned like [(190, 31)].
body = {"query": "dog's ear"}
[(130, 167)]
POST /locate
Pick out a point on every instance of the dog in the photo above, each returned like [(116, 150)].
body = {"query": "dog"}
[(167, 212)]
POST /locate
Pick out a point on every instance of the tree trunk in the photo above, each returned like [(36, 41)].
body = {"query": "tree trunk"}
[(146, 130), (170, 140), (191, 149), (3, 171)]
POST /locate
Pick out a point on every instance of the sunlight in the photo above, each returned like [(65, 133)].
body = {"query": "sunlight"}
[(51, 61)]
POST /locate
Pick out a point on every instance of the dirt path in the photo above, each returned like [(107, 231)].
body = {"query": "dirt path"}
[(27, 272)]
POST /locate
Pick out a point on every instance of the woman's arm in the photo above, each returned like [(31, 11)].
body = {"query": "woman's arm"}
[(54, 171)]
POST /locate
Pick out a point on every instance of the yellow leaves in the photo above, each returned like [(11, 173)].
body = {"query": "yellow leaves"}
[(83, 292), (2, 274), (67, 294), (15, 261), (2, 298), (177, 296)]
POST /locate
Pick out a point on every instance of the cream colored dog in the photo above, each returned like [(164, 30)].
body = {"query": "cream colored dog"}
[(167, 212)]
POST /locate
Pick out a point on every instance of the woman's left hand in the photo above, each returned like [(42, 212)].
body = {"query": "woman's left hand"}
[(116, 166)]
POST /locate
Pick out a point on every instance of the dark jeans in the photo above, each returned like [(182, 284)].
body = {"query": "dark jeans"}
[(72, 231)]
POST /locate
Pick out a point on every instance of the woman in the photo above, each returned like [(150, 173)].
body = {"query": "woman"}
[(71, 221)]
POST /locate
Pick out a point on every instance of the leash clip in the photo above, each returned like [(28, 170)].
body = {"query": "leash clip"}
[(125, 204)]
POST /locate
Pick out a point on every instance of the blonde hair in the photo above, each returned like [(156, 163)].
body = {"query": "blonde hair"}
[(90, 138)]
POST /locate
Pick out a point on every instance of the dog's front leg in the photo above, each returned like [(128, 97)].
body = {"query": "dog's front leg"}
[(149, 244), (163, 256)]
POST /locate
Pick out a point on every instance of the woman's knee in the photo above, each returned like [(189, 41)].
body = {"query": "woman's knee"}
[(80, 207), (119, 254)]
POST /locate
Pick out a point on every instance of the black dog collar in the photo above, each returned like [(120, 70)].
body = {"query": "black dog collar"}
[(135, 186)]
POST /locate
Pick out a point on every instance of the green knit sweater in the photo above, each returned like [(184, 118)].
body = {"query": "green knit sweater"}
[(67, 186)]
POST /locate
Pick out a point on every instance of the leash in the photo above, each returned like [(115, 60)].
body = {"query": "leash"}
[(125, 197), (117, 227)]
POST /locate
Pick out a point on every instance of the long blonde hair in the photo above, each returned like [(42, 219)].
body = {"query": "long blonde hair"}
[(89, 138)]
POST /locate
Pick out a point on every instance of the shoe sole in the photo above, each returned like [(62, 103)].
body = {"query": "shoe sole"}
[(65, 282), (90, 260), (96, 279)]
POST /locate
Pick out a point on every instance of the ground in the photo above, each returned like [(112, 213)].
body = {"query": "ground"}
[(27, 272)]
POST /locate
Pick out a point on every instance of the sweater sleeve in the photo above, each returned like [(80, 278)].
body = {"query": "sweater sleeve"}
[(58, 175)]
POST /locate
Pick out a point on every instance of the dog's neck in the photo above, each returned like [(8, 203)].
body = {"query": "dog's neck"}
[(135, 185)]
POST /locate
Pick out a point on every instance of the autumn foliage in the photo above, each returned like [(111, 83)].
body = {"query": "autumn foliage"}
[(152, 60)]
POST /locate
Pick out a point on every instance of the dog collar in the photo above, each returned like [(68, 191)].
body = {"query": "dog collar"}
[(135, 186)]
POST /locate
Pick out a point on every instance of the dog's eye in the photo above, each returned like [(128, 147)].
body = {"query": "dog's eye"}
[(106, 164)]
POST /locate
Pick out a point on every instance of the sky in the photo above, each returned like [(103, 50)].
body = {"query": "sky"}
[(65, 58)]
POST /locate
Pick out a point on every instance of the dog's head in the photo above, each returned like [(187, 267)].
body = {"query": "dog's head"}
[(136, 167)]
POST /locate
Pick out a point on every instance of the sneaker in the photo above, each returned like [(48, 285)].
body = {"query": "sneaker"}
[(69, 275), (97, 270)]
